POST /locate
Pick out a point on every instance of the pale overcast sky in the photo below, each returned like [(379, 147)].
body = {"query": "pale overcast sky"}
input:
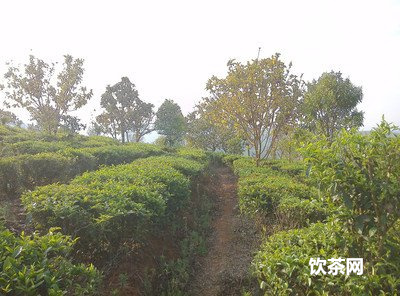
[(169, 49)]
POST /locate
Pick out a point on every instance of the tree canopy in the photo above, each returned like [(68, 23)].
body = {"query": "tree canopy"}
[(204, 134), (124, 112), (259, 98), (9, 118), (170, 122), (330, 104), (47, 96)]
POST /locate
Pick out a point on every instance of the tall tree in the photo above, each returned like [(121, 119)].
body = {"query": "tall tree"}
[(117, 101), (330, 104), (204, 134), (170, 122), (141, 120), (47, 96), (125, 112), (259, 98), (9, 118)]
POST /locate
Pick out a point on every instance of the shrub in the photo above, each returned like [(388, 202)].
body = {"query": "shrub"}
[(34, 147), (294, 212), (228, 159), (22, 172), (39, 265), (195, 154), (262, 194), (112, 155), (362, 173), (245, 166), (10, 177), (282, 265), (114, 204)]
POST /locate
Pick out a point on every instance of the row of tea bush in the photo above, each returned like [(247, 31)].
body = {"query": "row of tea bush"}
[(26, 171), (354, 214), (277, 191), (97, 213)]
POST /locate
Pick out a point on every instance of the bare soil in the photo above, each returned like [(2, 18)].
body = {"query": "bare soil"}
[(225, 270)]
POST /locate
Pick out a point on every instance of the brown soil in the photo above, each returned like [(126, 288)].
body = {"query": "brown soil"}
[(14, 215), (234, 238)]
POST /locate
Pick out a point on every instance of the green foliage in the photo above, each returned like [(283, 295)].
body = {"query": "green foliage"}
[(48, 96), (174, 275), (330, 104), (275, 190), (26, 171), (362, 174), (112, 155), (124, 112), (39, 265), (262, 194), (170, 122), (257, 100), (204, 134), (34, 147), (282, 264), (293, 212), (9, 118), (15, 141), (115, 204), (196, 154), (359, 175)]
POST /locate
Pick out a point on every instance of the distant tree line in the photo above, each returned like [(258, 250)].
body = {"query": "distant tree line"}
[(261, 106)]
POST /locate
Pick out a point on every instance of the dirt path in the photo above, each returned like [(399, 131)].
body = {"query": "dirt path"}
[(225, 269)]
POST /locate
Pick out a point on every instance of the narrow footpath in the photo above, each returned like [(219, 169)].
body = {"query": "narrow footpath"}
[(231, 244)]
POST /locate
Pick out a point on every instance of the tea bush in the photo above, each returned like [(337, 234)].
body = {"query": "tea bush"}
[(245, 166), (263, 193), (117, 203), (276, 189), (15, 141), (294, 212), (22, 172), (39, 265), (362, 175), (112, 155), (32, 147), (282, 264), (192, 153)]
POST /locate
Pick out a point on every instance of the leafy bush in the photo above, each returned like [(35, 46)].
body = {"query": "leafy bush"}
[(362, 173), (32, 147), (282, 265), (263, 193), (22, 172), (294, 212), (15, 135), (228, 159), (112, 155), (245, 166), (39, 265), (192, 153), (114, 204)]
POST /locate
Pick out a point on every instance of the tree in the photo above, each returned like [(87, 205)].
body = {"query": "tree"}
[(71, 124), (106, 124), (258, 98), (330, 105), (141, 119), (9, 118), (170, 122), (125, 112), (202, 133), (49, 98)]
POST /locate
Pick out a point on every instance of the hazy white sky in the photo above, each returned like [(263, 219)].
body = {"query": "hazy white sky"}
[(169, 49)]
